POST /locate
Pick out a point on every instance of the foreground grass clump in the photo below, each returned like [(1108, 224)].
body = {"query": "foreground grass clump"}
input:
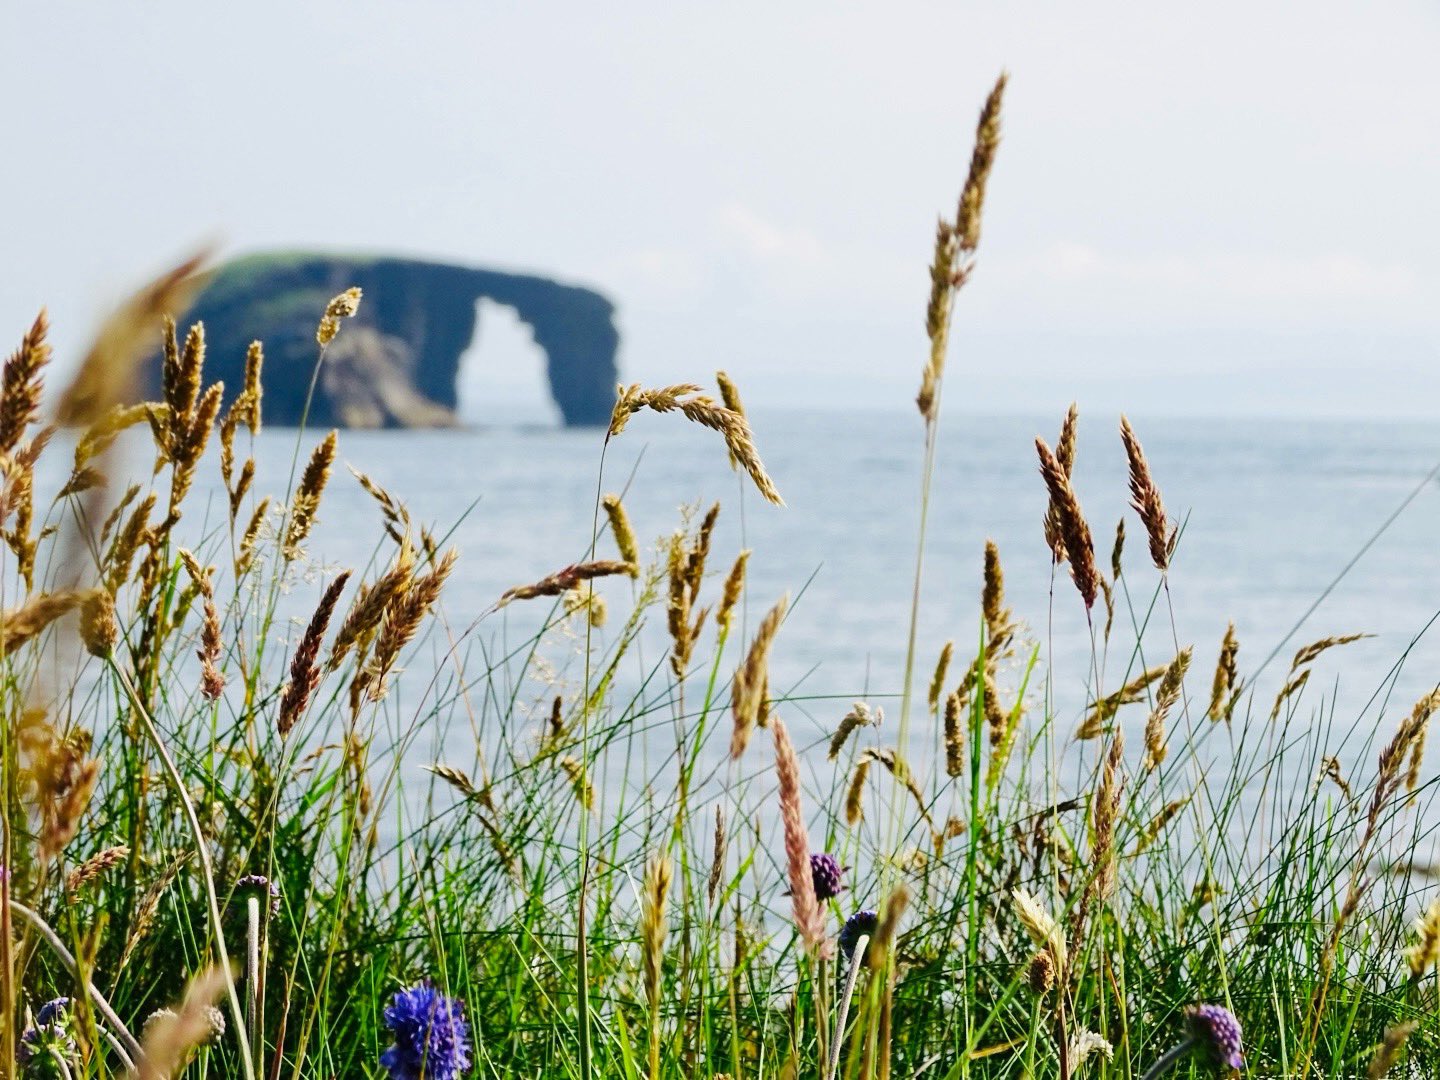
[(223, 859)]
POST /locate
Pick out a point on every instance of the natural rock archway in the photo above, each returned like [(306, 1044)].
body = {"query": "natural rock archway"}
[(395, 364)]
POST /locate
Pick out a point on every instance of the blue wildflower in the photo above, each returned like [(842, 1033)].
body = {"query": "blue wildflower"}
[(828, 875), (861, 924), (432, 1040), (1217, 1033), (48, 1041)]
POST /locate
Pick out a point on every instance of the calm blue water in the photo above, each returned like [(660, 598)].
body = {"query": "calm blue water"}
[(1273, 511)]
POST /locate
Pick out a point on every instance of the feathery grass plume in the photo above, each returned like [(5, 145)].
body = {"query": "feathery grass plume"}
[(1117, 550), (253, 392), (21, 624), (623, 533), (304, 666), (1424, 955), (1388, 1052), (1156, 825), (69, 780), (584, 600), (1104, 812), (730, 595), (937, 681), (730, 398), (1145, 498), (996, 718), (1065, 459), (887, 927), (717, 862), (652, 946), (999, 622), (1171, 684), (584, 790), (1226, 688), (98, 629), (403, 616), (859, 716), (307, 495), (809, 919), (748, 687), (1294, 682), (392, 510), (183, 375), (21, 384), (369, 606), (341, 307), (1102, 711), (106, 375), (700, 551), (245, 558), (937, 315), (1424, 709), (95, 867), (955, 248), (1042, 928), (563, 580), (703, 410), (954, 734), (1289, 690), (1074, 531), (167, 1043), (855, 792)]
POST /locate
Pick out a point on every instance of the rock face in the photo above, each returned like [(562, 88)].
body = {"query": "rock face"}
[(395, 363)]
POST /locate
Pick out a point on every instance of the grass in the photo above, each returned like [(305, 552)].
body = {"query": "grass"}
[(597, 873)]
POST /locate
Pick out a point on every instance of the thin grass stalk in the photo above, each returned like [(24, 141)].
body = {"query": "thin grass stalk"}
[(202, 848)]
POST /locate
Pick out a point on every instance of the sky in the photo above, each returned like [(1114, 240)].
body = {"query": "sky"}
[(1225, 208)]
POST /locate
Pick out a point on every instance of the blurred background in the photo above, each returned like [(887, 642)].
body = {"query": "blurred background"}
[(1212, 210), (1218, 219)]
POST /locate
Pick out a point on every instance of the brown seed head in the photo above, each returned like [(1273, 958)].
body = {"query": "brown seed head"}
[(1145, 498), (304, 666), (623, 533), (809, 918), (1074, 531), (22, 384)]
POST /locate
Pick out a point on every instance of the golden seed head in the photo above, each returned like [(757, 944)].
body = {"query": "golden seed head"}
[(1041, 976), (341, 307)]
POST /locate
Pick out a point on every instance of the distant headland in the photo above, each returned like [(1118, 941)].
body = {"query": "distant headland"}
[(395, 364)]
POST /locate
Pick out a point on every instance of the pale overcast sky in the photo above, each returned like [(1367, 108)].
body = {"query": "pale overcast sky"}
[(1201, 208)]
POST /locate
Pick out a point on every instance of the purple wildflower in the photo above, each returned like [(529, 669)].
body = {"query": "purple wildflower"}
[(48, 1037), (861, 924), (259, 885), (52, 1011), (1216, 1032), (432, 1039), (829, 876)]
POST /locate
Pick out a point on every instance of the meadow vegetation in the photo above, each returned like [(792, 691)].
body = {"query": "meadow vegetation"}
[(231, 851)]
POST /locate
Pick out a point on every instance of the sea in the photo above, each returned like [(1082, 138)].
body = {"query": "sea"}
[(1293, 530)]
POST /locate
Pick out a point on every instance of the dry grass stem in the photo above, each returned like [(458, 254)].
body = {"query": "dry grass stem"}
[(748, 688), (304, 666), (1065, 460), (623, 533), (937, 680), (809, 917), (1074, 531), (730, 594), (306, 502), (341, 307), (703, 410), (1171, 685), (563, 580), (859, 716), (1225, 690), (1145, 498)]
